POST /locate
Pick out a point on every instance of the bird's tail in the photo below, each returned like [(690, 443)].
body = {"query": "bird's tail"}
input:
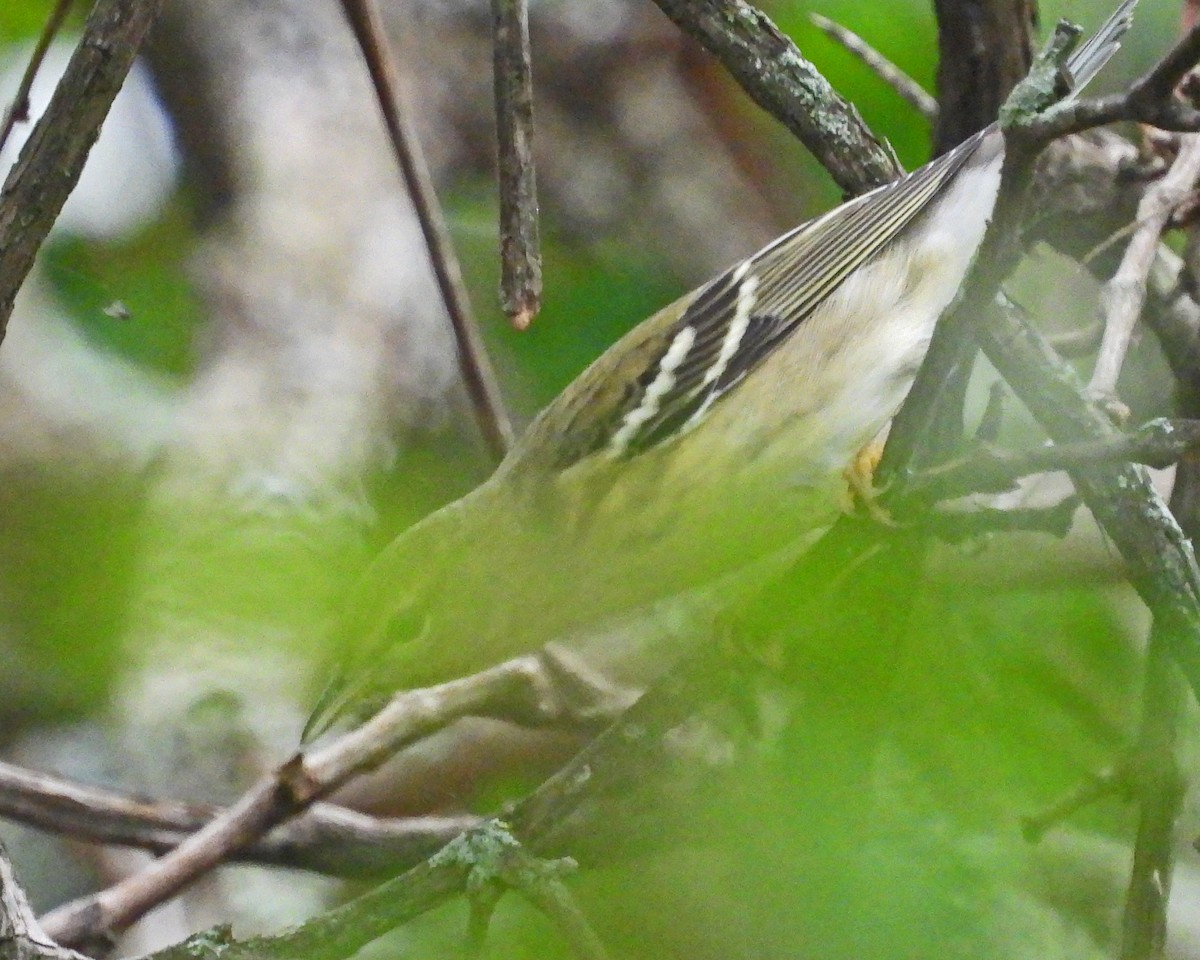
[(1086, 62)]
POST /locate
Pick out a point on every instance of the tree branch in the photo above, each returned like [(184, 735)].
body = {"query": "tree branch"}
[(520, 254), (18, 110), (473, 364), (326, 839), (562, 814), (21, 937), (50, 164), (776, 76), (520, 684), (1150, 100), (905, 86), (985, 48), (1125, 293), (989, 469)]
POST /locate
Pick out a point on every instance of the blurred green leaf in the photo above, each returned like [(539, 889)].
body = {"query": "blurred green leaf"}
[(133, 297), (24, 19)]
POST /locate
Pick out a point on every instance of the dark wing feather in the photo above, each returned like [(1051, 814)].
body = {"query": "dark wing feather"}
[(791, 278)]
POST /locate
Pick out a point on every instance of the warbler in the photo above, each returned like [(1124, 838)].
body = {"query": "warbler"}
[(714, 433)]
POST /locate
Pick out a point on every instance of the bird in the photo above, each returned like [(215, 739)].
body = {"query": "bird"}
[(713, 434)]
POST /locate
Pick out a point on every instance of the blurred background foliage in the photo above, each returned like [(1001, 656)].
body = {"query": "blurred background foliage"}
[(1000, 700), (146, 273)]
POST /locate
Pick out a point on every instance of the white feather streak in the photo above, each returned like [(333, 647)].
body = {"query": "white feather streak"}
[(663, 381)]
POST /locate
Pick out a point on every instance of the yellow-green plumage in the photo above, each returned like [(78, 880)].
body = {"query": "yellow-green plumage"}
[(713, 434)]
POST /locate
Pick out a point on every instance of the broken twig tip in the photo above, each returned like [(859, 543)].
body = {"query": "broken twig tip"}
[(522, 316)]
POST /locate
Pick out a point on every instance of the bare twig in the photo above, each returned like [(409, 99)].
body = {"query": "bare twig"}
[(780, 80), (1099, 786), (499, 861), (905, 86), (562, 813), (269, 802), (938, 383), (955, 526), (989, 469), (18, 110), (1158, 788), (482, 900), (1175, 317), (520, 255), (21, 936), (549, 894), (53, 158), (1159, 785), (303, 780), (1149, 100), (327, 839), (473, 364), (1124, 295), (1162, 565)]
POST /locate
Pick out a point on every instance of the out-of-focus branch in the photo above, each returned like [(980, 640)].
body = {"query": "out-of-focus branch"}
[(327, 839), (985, 48), (1161, 562), (21, 937), (50, 164), (557, 817), (1125, 293), (18, 110), (939, 381), (905, 86), (473, 363), (1157, 785), (1158, 443), (520, 684)]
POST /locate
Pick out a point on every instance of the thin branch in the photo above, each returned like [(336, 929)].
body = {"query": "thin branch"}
[(520, 254), (1159, 83), (774, 74), (18, 110), (954, 526), (1125, 294), (271, 801), (326, 839), (1160, 560), (1149, 100), (521, 683), (563, 813), (549, 894), (498, 861), (473, 364), (1158, 787), (482, 900), (918, 427), (905, 86), (1097, 787), (21, 936), (50, 164), (989, 469), (1175, 317)]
